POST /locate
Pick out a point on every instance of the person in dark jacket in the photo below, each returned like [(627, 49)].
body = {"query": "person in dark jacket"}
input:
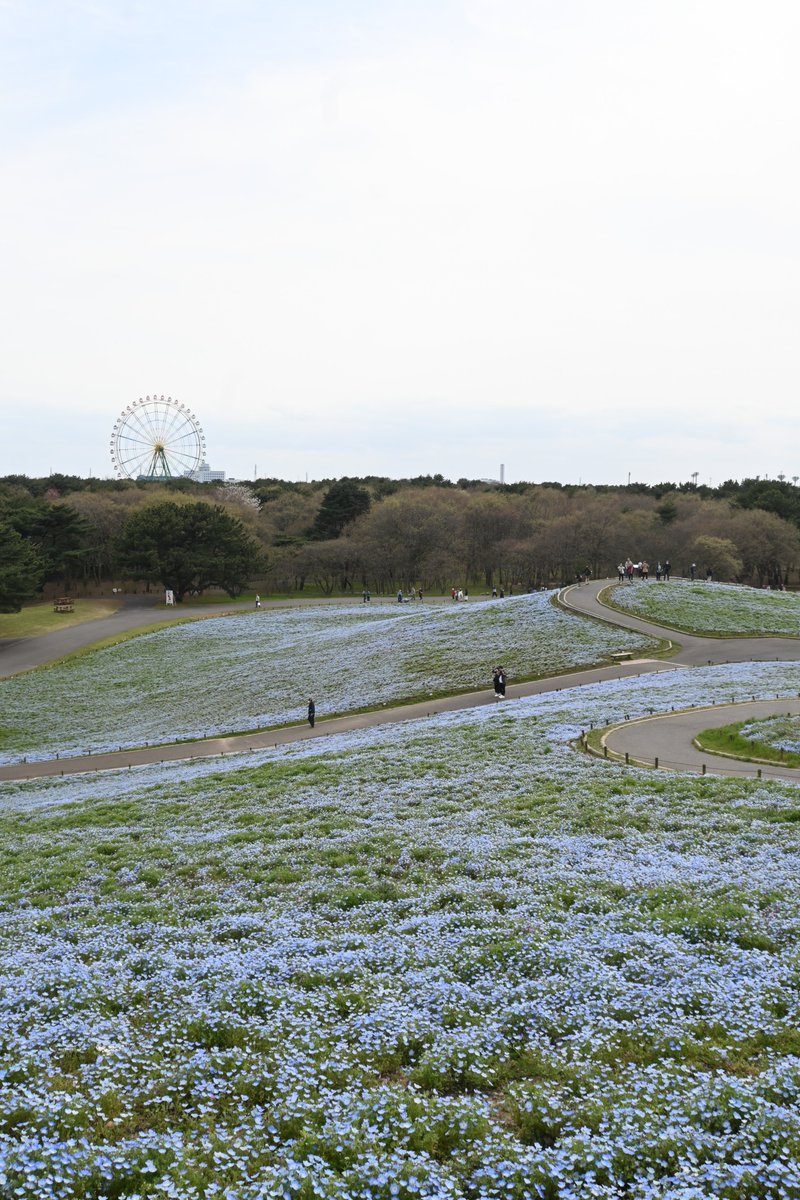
[(312, 713)]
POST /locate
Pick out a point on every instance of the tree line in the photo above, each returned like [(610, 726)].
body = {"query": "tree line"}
[(381, 534)]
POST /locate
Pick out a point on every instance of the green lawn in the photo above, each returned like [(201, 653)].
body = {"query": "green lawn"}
[(36, 619), (731, 740)]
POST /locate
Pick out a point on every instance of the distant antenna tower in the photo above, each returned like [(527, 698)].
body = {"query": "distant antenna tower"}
[(694, 477)]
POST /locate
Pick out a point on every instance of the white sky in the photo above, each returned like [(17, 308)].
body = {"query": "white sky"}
[(400, 238)]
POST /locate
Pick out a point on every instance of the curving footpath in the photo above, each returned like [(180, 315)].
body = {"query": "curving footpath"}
[(667, 739)]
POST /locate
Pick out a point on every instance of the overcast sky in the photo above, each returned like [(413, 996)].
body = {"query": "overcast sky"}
[(399, 238)]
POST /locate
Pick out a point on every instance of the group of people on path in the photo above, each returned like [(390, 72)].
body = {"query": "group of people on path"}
[(628, 571)]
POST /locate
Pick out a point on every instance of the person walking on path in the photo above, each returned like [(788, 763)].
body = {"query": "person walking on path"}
[(312, 712), (666, 571), (258, 600)]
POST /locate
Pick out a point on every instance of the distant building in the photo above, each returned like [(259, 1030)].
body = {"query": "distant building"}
[(501, 480), (204, 474)]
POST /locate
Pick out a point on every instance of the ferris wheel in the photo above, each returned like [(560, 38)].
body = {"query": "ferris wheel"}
[(157, 438)]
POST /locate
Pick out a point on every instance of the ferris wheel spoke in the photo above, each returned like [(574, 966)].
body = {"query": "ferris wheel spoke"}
[(133, 421), (133, 453), (163, 419), (183, 446), (148, 422), (142, 427), (134, 444), (171, 418), (183, 435), (186, 445), (135, 435), (187, 435), (176, 420), (160, 414), (135, 450), (133, 465), (189, 461), (184, 453)]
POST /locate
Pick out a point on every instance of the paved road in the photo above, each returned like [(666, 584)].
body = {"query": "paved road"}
[(23, 654), (669, 738)]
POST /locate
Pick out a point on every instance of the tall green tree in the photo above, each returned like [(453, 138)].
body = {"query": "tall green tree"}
[(61, 536), (341, 504), (717, 555), (188, 547), (21, 569)]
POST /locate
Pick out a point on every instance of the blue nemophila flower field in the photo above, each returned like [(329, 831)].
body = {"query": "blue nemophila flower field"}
[(258, 669), (453, 958), (782, 733), (712, 608)]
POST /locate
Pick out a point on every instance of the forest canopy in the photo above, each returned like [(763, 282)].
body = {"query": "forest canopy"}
[(72, 534)]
